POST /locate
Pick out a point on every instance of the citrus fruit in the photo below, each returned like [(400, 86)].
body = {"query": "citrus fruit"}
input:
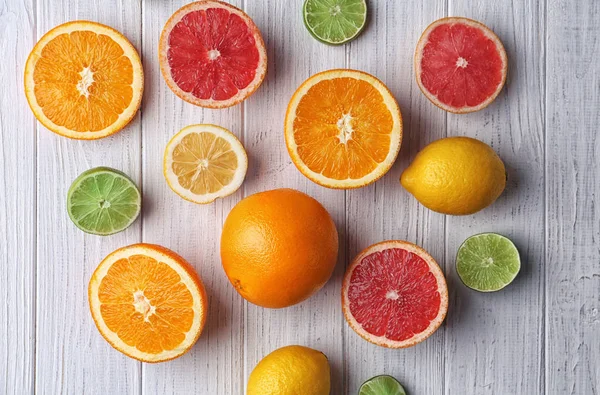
[(148, 302), (460, 64), (103, 201), (456, 176), (278, 247), (487, 262), (84, 80), (204, 162), (343, 129), (335, 22), (211, 54), (381, 385), (291, 370), (394, 294)]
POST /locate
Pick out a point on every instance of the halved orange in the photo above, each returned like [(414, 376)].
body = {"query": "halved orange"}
[(204, 162), (84, 80), (343, 129), (148, 302)]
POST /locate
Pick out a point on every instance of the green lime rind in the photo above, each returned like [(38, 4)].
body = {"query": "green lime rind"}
[(335, 22), (103, 201), (487, 262), (381, 385)]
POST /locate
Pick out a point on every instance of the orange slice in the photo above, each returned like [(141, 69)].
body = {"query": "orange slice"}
[(343, 129), (148, 302), (205, 162), (84, 80)]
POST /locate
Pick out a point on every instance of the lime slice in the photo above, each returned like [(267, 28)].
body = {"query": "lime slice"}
[(487, 262), (103, 201), (335, 22), (381, 385)]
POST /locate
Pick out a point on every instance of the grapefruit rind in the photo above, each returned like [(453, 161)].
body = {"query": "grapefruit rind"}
[(396, 138), (228, 189), (435, 270), (163, 47), (423, 40), (188, 277), (128, 50)]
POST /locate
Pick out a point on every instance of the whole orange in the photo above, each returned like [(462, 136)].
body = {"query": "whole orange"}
[(278, 247)]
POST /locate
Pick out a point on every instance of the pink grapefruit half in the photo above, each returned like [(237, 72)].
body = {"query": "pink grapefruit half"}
[(211, 54), (460, 64), (394, 294)]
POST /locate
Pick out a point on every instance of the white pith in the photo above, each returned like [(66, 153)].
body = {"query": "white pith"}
[(87, 79), (112, 337), (393, 295), (344, 125), (228, 189), (419, 57), (129, 51)]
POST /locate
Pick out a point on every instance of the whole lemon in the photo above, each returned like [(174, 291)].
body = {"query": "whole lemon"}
[(278, 247), (291, 370), (455, 175)]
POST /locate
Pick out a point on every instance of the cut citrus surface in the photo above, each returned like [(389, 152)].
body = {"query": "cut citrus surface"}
[(460, 64), (487, 262), (381, 385), (211, 54), (84, 80), (103, 201), (148, 302), (335, 22), (394, 294), (343, 129), (205, 162)]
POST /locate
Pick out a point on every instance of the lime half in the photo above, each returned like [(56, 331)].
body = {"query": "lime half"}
[(335, 22), (103, 201), (487, 262), (381, 385)]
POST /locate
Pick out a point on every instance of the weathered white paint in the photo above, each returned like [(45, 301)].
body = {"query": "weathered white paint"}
[(540, 335)]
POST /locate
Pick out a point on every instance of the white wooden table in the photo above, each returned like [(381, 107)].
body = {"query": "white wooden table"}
[(540, 335)]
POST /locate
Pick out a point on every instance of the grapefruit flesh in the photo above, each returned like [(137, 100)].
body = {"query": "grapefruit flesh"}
[(461, 64), (394, 294), (212, 54)]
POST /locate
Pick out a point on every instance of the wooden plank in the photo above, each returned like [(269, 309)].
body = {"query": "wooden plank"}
[(384, 210), (17, 198), (494, 342), (71, 356), (572, 163), (293, 57), (215, 363)]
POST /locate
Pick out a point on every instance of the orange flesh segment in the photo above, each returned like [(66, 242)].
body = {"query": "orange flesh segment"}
[(83, 81), (343, 128), (204, 163), (145, 303)]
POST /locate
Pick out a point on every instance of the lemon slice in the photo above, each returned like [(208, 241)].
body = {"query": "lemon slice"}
[(205, 162)]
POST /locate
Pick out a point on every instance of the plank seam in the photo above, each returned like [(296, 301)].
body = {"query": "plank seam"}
[(36, 221), (544, 329)]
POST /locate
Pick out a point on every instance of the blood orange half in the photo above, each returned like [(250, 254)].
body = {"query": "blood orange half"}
[(394, 294), (211, 54), (460, 64)]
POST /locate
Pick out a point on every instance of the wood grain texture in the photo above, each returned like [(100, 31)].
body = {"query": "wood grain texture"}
[(384, 210), (17, 203), (573, 219), (293, 57), (71, 355), (538, 336), (494, 342), (215, 363)]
